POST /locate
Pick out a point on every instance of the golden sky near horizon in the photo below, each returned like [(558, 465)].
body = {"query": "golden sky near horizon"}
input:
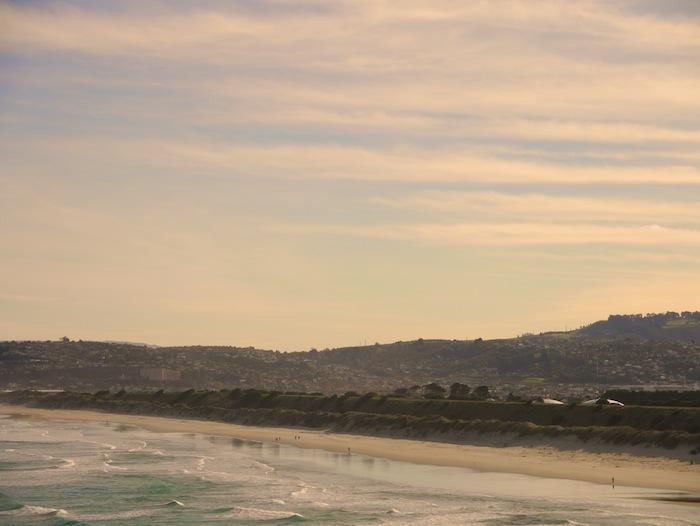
[(295, 174)]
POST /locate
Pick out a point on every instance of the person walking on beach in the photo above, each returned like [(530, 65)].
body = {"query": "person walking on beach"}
[(613, 483)]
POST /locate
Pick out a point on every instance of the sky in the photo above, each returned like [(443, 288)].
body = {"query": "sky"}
[(294, 174)]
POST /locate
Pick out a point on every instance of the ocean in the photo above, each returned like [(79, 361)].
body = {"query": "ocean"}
[(92, 473)]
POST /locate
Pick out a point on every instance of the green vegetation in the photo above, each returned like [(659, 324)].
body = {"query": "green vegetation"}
[(443, 419), (668, 325), (656, 398), (680, 323)]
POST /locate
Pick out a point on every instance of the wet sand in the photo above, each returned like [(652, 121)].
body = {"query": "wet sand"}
[(628, 468)]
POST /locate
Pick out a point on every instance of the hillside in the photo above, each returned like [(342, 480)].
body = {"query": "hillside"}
[(667, 326), (592, 355)]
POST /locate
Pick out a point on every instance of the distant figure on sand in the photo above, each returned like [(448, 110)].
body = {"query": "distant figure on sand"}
[(613, 483)]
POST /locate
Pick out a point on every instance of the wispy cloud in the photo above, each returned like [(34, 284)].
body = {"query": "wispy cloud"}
[(92, 31), (337, 162), (549, 207), (509, 234), (470, 59), (23, 298), (150, 146)]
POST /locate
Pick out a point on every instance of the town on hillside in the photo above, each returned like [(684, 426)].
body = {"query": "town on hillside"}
[(654, 351)]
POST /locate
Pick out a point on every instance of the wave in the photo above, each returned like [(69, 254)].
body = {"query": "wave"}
[(304, 489), (116, 515), (107, 463), (7, 504), (220, 473), (258, 513), (118, 468), (28, 509), (201, 461), (141, 447), (67, 463), (530, 518), (263, 466), (105, 445), (33, 461), (42, 456)]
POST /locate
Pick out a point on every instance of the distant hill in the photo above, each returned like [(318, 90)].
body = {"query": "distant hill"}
[(623, 350), (684, 326), (138, 344)]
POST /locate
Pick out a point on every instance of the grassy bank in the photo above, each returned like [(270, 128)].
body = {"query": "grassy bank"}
[(450, 420)]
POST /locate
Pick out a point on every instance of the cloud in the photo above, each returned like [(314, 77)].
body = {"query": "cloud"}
[(508, 234), (68, 28), (541, 206), (24, 298), (163, 31), (584, 108), (561, 58), (426, 73), (135, 133), (336, 162)]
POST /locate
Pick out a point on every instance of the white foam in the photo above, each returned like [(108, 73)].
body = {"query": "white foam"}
[(111, 447), (201, 461), (263, 466), (31, 510), (260, 514), (400, 494), (67, 463), (304, 489), (108, 465), (37, 510), (142, 446)]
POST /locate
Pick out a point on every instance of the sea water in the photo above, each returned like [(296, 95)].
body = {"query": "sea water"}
[(91, 473)]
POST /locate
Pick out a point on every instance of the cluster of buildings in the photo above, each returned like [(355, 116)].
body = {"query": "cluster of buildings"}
[(557, 366)]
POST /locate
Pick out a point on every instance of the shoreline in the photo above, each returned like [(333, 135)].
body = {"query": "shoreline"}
[(539, 461)]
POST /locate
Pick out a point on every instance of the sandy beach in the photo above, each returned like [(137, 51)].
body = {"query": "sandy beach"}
[(542, 461)]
